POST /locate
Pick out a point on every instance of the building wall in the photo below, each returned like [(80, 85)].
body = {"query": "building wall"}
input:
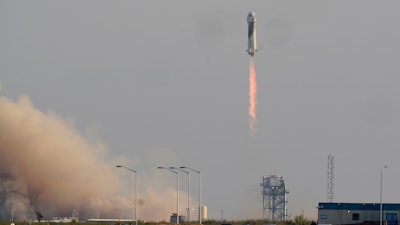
[(357, 213)]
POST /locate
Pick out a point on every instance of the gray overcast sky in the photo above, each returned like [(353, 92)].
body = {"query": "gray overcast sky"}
[(166, 83)]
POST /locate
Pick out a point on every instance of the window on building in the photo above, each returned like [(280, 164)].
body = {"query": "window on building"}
[(356, 216)]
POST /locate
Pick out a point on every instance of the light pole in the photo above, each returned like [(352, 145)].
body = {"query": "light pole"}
[(177, 190), (200, 189), (136, 190), (188, 198), (380, 210)]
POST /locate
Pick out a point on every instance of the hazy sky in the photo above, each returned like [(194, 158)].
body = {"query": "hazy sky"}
[(165, 83)]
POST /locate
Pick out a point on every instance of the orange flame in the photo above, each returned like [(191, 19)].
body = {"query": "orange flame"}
[(252, 98)]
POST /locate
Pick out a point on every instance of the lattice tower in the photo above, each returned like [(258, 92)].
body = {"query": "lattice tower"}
[(331, 176), (274, 198)]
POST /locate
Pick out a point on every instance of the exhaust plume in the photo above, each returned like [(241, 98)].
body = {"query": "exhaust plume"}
[(47, 168), (252, 98)]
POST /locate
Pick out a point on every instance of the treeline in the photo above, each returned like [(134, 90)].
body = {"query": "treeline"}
[(298, 220)]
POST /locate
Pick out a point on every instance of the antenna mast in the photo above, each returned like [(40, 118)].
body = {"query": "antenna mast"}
[(331, 175)]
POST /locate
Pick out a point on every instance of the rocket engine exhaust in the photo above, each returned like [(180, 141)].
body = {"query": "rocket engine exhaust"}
[(251, 50), (252, 98)]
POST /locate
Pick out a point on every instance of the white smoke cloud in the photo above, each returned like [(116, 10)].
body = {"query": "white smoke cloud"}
[(46, 166), (45, 162)]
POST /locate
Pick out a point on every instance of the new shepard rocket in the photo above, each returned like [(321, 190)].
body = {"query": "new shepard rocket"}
[(252, 43)]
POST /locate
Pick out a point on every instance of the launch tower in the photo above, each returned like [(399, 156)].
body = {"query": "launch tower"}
[(275, 201)]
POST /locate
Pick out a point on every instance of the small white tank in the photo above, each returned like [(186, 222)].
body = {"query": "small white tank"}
[(204, 212)]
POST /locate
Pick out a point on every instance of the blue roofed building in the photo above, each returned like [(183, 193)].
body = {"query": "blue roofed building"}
[(358, 213)]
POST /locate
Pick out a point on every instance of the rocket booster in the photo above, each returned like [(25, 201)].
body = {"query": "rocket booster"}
[(252, 43)]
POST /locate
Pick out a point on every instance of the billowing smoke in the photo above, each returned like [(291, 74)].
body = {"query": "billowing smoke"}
[(252, 98), (46, 167)]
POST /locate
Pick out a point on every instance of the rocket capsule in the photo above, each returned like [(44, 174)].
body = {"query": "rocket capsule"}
[(252, 43)]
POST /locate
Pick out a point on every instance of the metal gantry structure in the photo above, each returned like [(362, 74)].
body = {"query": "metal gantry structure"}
[(331, 175), (275, 199)]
